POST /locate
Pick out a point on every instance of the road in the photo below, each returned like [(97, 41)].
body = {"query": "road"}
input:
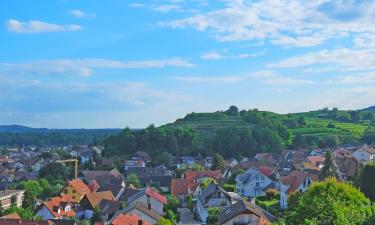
[(186, 217)]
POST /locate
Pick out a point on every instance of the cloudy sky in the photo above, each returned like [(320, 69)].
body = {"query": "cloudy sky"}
[(117, 63)]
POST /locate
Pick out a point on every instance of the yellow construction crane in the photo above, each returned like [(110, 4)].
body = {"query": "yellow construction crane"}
[(75, 165)]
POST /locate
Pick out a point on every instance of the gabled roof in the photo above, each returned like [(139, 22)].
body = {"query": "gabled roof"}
[(242, 207), (60, 202), (131, 219), (182, 186), (192, 175), (294, 180), (141, 207), (210, 190), (95, 198), (79, 186), (150, 192), (12, 216)]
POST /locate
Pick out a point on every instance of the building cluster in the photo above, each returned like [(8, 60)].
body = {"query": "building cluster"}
[(108, 193)]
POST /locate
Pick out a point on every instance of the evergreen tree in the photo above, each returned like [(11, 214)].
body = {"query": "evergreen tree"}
[(28, 200), (367, 181), (217, 162), (329, 169)]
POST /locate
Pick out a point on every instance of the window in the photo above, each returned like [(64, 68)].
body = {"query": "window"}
[(261, 177), (257, 177)]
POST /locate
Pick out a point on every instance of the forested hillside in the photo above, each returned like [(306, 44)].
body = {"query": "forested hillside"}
[(246, 132)]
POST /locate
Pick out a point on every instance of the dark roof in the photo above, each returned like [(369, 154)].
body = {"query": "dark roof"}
[(241, 207), (128, 193), (161, 181), (139, 206), (115, 189), (210, 190), (109, 206)]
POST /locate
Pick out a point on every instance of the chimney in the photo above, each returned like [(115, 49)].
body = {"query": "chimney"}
[(140, 222)]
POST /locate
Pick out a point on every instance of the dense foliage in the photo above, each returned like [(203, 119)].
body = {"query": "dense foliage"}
[(234, 133), (331, 203), (60, 137), (367, 181)]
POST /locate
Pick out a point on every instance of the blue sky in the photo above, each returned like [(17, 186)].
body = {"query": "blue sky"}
[(117, 63)]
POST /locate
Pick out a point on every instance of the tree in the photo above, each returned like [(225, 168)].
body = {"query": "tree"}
[(369, 135), (213, 215), (217, 162), (330, 203), (329, 169), (164, 221), (28, 200), (232, 111), (171, 216), (164, 158), (197, 167), (207, 181), (134, 180), (367, 181), (33, 187), (96, 216), (301, 121)]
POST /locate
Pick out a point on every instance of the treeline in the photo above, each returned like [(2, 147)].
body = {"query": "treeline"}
[(152, 140), (266, 135), (353, 116), (55, 137)]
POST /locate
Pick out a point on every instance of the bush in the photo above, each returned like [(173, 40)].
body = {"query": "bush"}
[(229, 187)]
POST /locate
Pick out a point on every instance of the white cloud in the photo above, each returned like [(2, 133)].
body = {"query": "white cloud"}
[(266, 77), (288, 23), (35, 26), (81, 14), (85, 67), (337, 59), (211, 56), (165, 8)]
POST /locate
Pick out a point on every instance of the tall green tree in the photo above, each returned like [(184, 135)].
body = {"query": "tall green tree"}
[(217, 162), (134, 180), (367, 181), (329, 169), (96, 216), (28, 200), (330, 203)]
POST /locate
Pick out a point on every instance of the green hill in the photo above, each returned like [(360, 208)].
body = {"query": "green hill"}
[(317, 124)]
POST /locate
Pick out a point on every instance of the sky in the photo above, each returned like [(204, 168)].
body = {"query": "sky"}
[(118, 63)]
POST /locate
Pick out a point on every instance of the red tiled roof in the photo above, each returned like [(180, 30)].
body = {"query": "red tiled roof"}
[(131, 219), (12, 216), (192, 175), (23, 222), (156, 195), (93, 186), (294, 179), (182, 186), (97, 197), (266, 170), (79, 186), (58, 202)]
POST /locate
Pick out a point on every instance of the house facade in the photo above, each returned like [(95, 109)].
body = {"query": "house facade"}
[(364, 154), (9, 197), (212, 196), (295, 182), (255, 182)]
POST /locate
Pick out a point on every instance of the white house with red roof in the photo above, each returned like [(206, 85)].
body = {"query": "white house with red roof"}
[(153, 199), (295, 182), (256, 182)]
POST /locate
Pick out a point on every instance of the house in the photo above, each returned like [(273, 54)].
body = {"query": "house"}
[(158, 176), (87, 156), (347, 166), (256, 182), (243, 212), (150, 198), (77, 189), (61, 222), (140, 209), (9, 197), (23, 222), (295, 181), (212, 196), (90, 201), (132, 219), (199, 176), (134, 162), (314, 163), (108, 208), (143, 156), (364, 154), (57, 208), (162, 183), (181, 188), (12, 216)]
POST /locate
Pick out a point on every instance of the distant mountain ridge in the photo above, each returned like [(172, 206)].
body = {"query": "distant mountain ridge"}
[(371, 108), (19, 129)]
